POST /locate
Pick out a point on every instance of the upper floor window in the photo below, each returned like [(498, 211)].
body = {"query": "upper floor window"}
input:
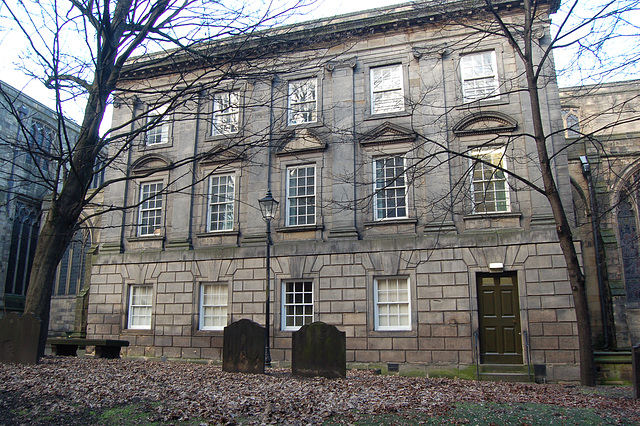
[(221, 202), (297, 304), (392, 304), (571, 122), (479, 76), (150, 214), (226, 113), (489, 185), (158, 130), (303, 104), (390, 188), (213, 306), (301, 195), (387, 89), (40, 141)]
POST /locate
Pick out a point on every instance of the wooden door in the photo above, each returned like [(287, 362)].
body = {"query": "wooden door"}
[(499, 315)]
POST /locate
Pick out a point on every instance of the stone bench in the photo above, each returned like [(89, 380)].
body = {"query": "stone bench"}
[(105, 348)]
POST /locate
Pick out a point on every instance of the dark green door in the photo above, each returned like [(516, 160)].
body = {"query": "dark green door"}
[(499, 314)]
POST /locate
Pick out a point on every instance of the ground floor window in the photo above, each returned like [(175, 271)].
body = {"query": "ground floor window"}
[(392, 304), (140, 303), (297, 304), (213, 306)]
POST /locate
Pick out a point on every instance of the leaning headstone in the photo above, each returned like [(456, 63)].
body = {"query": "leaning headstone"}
[(243, 347), (635, 361), (319, 349), (19, 338)]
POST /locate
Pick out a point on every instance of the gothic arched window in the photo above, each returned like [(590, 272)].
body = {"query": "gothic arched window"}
[(628, 224)]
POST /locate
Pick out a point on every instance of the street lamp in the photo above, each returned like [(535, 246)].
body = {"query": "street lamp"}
[(268, 208)]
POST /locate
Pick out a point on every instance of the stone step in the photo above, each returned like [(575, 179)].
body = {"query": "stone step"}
[(504, 368), (507, 377)]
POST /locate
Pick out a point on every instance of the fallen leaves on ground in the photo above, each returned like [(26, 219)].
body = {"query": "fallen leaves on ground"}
[(64, 388)]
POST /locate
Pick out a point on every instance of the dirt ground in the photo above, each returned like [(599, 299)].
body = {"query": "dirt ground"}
[(81, 391)]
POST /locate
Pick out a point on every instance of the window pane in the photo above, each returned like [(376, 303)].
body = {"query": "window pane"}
[(221, 202), (213, 306), (387, 90), (297, 304), (301, 198), (392, 304), (302, 101), (389, 190), (489, 185)]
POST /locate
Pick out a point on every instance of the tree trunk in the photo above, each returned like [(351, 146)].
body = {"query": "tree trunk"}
[(563, 229)]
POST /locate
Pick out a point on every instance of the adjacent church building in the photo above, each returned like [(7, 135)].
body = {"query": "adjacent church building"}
[(385, 136)]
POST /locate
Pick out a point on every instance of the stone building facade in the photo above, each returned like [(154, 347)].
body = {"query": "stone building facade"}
[(422, 256), (28, 139), (603, 132)]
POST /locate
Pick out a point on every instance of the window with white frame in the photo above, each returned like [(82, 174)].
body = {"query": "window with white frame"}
[(301, 195), (390, 189), (392, 304), (489, 185), (387, 89), (297, 304), (221, 202), (303, 103), (226, 113), (150, 214), (213, 306), (479, 76), (157, 130), (140, 304)]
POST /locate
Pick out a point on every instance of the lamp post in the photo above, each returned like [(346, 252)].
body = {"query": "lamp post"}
[(268, 208)]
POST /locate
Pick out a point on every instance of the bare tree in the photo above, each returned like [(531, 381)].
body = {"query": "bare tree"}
[(80, 49)]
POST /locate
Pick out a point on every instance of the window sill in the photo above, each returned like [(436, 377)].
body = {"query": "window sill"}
[(222, 137), (487, 102), (299, 228), (142, 331), (146, 238), (386, 115), (493, 215), (493, 220), (391, 221), (291, 126), (218, 234)]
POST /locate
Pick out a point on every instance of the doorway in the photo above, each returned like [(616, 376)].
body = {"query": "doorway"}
[(499, 318)]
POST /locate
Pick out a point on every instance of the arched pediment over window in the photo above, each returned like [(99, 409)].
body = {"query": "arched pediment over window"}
[(485, 122), (388, 133), (149, 163), (221, 154), (301, 141)]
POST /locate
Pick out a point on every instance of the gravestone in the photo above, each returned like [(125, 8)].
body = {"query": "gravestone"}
[(319, 349), (19, 338), (243, 347)]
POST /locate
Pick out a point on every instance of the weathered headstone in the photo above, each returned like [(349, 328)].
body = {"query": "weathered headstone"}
[(635, 361), (319, 349), (19, 338), (243, 347)]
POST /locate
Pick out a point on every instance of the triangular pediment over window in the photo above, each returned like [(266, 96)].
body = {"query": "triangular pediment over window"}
[(221, 154), (388, 133), (485, 122), (301, 141), (149, 163)]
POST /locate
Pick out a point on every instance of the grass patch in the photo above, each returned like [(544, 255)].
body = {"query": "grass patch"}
[(486, 414)]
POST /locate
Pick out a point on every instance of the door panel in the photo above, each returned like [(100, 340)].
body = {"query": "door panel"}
[(499, 315)]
